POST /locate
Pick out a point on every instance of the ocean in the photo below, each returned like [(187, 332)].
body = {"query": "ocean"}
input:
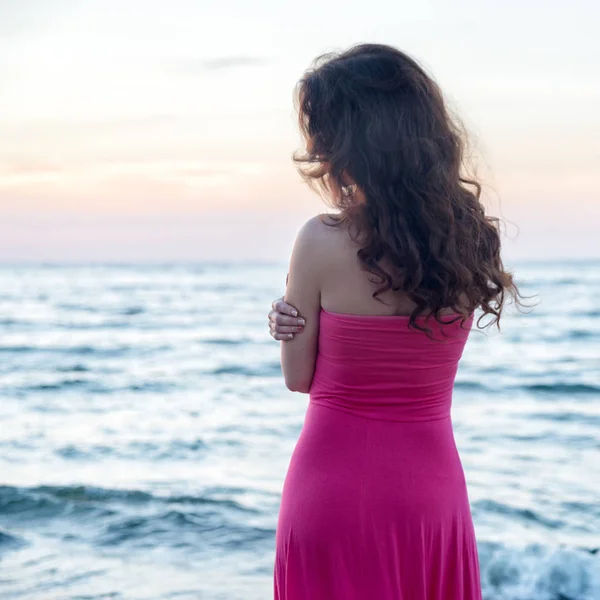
[(145, 432)]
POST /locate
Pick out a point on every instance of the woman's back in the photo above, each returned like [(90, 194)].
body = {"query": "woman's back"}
[(370, 361), (379, 367), (345, 285), (375, 503)]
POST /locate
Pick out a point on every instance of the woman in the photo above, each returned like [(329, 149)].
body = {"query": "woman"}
[(379, 302)]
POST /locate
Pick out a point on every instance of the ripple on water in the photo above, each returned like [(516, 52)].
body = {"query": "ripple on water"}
[(110, 368), (9, 541)]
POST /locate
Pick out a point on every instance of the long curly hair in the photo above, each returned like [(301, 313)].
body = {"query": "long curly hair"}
[(373, 119)]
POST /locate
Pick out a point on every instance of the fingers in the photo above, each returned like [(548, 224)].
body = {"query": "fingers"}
[(280, 337), (284, 308), (278, 320), (283, 332), (285, 328), (284, 321)]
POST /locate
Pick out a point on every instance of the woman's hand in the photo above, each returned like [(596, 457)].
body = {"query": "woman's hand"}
[(284, 321)]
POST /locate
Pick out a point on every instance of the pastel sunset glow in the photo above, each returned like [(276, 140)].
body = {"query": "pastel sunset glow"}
[(163, 130)]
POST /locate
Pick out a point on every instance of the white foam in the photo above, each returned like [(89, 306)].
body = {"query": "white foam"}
[(538, 573)]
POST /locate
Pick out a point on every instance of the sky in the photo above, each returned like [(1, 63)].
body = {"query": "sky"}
[(158, 130)]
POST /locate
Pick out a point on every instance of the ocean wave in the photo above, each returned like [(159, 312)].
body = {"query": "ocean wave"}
[(8, 322), (10, 542), (94, 386), (70, 307), (582, 334), (19, 348), (539, 573), (136, 450), (269, 370), (568, 416), (584, 508), (525, 514), (191, 529), (108, 325), (79, 350), (562, 388), (37, 505), (76, 368), (191, 524), (225, 341), (131, 311), (63, 384), (135, 519), (49, 501), (471, 386)]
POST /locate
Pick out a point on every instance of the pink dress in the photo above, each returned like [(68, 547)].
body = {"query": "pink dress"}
[(374, 504)]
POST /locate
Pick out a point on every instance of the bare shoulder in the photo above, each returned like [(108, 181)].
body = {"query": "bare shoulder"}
[(321, 231), (315, 247), (325, 242), (319, 225)]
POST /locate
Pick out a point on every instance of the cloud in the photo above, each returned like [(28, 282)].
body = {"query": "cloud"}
[(190, 173), (219, 63), (29, 172), (30, 16), (28, 167), (17, 174), (78, 127), (126, 122)]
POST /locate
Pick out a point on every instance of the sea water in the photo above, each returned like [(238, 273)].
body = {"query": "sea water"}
[(145, 432)]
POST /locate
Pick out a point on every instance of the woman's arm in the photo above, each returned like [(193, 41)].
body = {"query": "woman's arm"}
[(298, 355)]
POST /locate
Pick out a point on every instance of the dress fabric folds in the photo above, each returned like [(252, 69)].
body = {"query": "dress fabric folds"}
[(374, 504)]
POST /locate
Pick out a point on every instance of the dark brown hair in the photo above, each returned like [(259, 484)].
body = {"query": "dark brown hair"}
[(373, 118)]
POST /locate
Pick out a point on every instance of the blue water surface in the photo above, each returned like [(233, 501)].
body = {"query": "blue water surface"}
[(145, 432)]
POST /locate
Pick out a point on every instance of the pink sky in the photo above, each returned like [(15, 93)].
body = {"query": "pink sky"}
[(145, 131)]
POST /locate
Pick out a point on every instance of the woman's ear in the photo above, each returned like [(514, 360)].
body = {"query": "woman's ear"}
[(349, 190)]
